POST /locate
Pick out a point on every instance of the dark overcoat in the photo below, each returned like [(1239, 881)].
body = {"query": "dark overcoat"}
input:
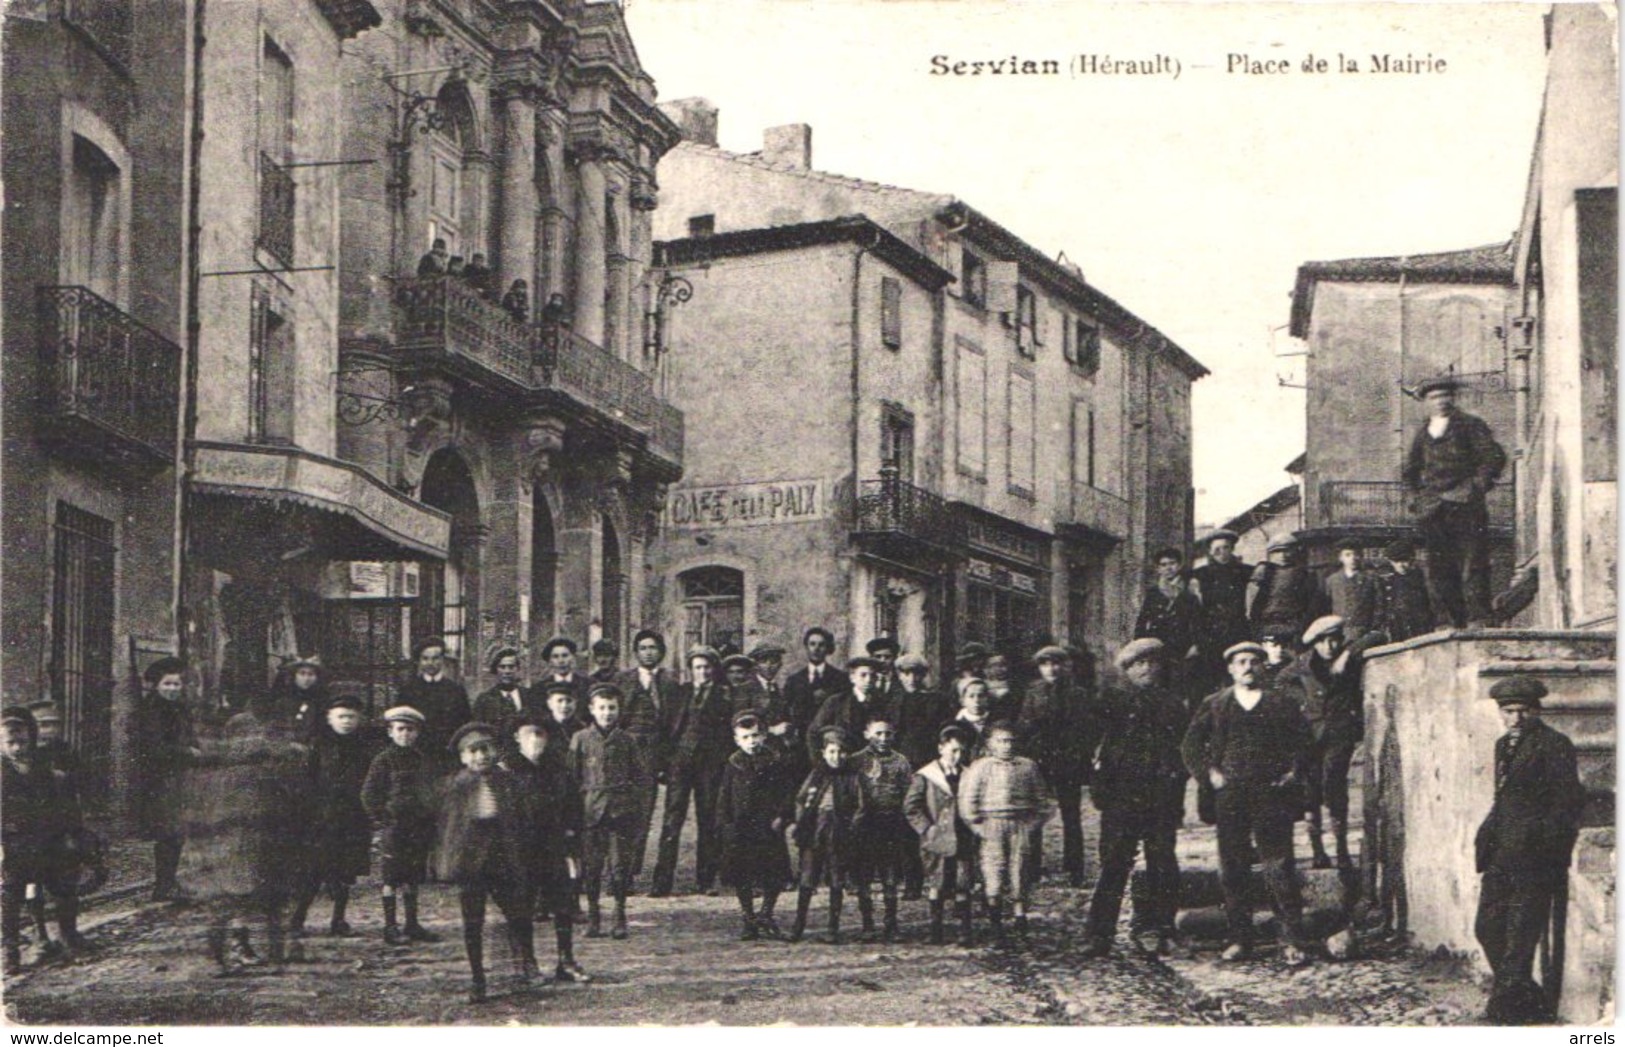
[(756, 791), (163, 753), (1534, 821), (340, 832)]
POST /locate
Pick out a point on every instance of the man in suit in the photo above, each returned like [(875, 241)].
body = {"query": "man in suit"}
[(508, 702), (442, 700), (650, 690), (1057, 724), (1351, 592), (1523, 850), (699, 735), (560, 655), (1248, 743), (849, 711), (1452, 462), (884, 651), (606, 656), (806, 689)]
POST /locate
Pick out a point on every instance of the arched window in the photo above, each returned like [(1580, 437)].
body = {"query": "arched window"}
[(447, 589), (713, 607)]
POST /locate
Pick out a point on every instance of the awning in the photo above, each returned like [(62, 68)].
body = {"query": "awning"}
[(363, 518)]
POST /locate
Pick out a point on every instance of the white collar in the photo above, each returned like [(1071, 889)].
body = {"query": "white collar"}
[(1248, 698), (436, 678)]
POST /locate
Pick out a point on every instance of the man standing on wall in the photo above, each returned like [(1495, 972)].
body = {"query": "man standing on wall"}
[(1523, 850), (1453, 461)]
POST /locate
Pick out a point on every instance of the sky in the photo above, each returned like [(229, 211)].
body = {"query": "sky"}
[(1192, 199)]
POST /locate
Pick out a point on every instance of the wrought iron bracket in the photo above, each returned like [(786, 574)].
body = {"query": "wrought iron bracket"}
[(671, 292)]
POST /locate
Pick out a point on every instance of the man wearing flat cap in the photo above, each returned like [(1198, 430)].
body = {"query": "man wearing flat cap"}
[(1404, 610), (1453, 461), (970, 662), (606, 657), (1523, 850), (1248, 743), (1057, 728), (507, 701), (699, 735), (1282, 591), (1326, 684), (1221, 586), (850, 711), (920, 710), (1139, 787), (761, 693)]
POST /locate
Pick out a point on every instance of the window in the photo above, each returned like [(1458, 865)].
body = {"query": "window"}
[(897, 440), (972, 409), (713, 607), (270, 372), (891, 312), (1085, 355), (445, 181), (1083, 443), (702, 225), (94, 233), (276, 103), (1023, 436), (973, 280), (82, 636), (1026, 322)]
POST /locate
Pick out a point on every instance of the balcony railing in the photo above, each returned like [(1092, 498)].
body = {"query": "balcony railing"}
[(109, 384), (1099, 511), (106, 22), (276, 210), (598, 379), (1387, 503), (445, 315), (890, 506)]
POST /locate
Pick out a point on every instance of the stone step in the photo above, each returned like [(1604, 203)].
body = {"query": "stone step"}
[(1198, 888)]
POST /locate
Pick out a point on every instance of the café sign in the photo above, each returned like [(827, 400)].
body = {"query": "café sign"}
[(745, 505)]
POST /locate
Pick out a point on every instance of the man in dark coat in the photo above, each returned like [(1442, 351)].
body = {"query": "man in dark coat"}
[(606, 656), (1249, 743), (1221, 586), (1523, 850), (884, 651), (806, 689), (560, 655), (699, 734), (1172, 613), (1351, 592), (1057, 728), (920, 711), (442, 700), (1452, 462), (165, 747), (1326, 684), (650, 689), (508, 702), (849, 711), (1281, 595), (1139, 787), (1405, 610)]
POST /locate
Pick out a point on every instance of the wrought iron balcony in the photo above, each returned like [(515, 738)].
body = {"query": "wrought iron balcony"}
[(109, 385), (276, 210), (106, 22), (891, 507), (443, 319), (1387, 503), (1099, 511)]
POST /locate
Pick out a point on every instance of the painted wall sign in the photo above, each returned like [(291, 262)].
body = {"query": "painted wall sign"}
[(745, 505)]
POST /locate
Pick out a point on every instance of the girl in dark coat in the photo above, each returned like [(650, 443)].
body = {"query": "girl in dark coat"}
[(398, 797), (829, 822), (165, 747), (755, 804), (340, 834)]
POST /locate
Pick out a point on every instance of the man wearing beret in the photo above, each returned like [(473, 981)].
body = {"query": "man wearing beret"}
[(1248, 743), (1221, 586), (1523, 849), (849, 711), (1326, 684), (1405, 610), (1057, 728), (699, 735), (1452, 462), (1139, 787)]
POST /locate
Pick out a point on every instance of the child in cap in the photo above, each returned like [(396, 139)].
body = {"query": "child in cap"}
[(541, 764), (1002, 798), (754, 805), (563, 721), (885, 774), (829, 818), (341, 835), (398, 797), (57, 756), (947, 845), (486, 844), (39, 813), (608, 766)]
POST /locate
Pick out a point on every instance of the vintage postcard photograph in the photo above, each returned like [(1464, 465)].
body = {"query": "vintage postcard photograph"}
[(864, 513)]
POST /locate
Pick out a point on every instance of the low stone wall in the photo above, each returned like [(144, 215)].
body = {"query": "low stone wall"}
[(1429, 781)]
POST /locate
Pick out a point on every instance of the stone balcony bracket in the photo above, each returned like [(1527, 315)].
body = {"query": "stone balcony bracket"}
[(541, 438)]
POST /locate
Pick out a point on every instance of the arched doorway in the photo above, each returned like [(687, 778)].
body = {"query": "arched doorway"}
[(613, 586), (544, 569), (448, 593)]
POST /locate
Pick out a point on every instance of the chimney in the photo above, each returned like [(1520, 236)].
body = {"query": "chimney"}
[(790, 145), (696, 117)]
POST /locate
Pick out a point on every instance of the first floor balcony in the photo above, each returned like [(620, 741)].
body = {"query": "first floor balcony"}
[(1387, 504), (892, 510), (109, 389)]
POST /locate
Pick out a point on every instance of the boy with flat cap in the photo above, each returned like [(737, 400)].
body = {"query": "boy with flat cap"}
[(754, 806), (1326, 684), (605, 762), (606, 656), (1405, 610), (1523, 849), (852, 710), (830, 810), (398, 795)]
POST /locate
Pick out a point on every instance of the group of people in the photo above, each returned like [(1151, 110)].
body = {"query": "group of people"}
[(439, 261)]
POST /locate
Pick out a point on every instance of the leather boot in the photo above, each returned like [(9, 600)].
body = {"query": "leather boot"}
[(937, 936), (747, 915), (1340, 836), (474, 945), (889, 927), (340, 928), (595, 918), (834, 935), (413, 930), (803, 903), (568, 970), (995, 919), (962, 910), (1316, 846), (866, 912), (617, 927)]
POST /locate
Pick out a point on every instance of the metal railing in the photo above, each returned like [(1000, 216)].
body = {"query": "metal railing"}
[(893, 506), (1387, 503), (99, 364), (1099, 510), (276, 210), (106, 22), (445, 314)]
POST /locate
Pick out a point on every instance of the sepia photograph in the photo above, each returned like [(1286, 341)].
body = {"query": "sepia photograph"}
[(807, 513)]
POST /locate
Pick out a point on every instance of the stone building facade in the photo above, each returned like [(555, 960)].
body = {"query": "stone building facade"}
[(1052, 425)]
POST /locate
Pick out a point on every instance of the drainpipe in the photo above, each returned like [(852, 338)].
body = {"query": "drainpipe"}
[(854, 420), (1399, 401), (192, 128)]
